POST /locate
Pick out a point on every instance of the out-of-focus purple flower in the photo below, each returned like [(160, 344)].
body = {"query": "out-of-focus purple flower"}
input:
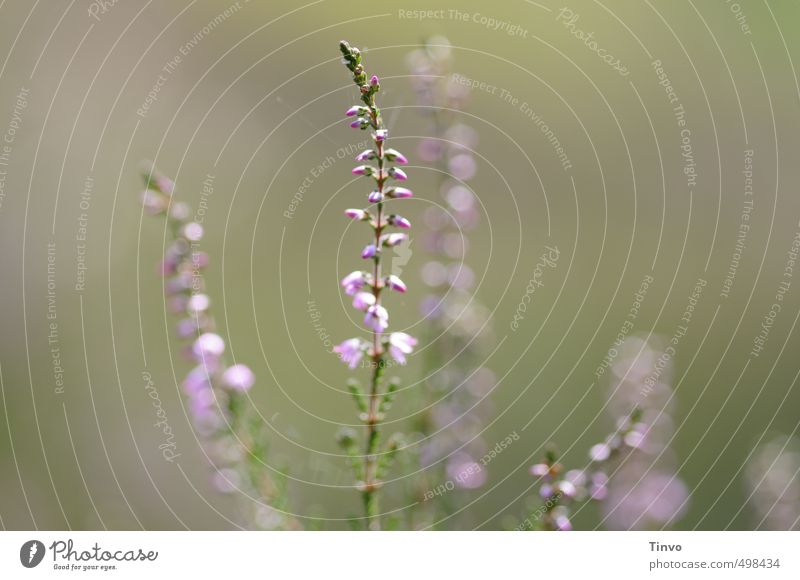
[(165, 184), (462, 166), (193, 231), (369, 251), (180, 211), (197, 380), (599, 452), (562, 523), (353, 282), (356, 214), (381, 135), (153, 202), (375, 197), (238, 377), (396, 283), (186, 327), (465, 472), (567, 488), (401, 344), (363, 300), (429, 150), (354, 110), (198, 303), (374, 81), (365, 155), (377, 318), (208, 346), (350, 351)]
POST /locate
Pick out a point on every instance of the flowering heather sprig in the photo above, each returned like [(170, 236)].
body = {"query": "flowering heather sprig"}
[(456, 321), (366, 288), (630, 472), (232, 434), (560, 490)]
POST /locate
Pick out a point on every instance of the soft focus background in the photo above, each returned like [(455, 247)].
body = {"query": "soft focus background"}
[(254, 107)]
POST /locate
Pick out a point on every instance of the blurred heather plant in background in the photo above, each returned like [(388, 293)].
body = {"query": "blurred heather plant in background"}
[(366, 289), (231, 432), (773, 479), (632, 472), (452, 412)]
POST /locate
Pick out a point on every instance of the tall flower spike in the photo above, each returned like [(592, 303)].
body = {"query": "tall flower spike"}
[(376, 318)]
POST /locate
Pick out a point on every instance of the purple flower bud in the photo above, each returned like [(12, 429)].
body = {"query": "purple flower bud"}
[(398, 174), (350, 351), (365, 155), (363, 300), (375, 197), (363, 170), (401, 344), (396, 156), (374, 81), (393, 239), (238, 378), (399, 192), (395, 283), (399, 221), (353, 282), (381, 135), (357, 123), (377, 318), (356, 214), (369, 251), (353, 111)]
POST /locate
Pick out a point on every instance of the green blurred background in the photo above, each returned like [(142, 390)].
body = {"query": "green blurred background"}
[(256, 102)]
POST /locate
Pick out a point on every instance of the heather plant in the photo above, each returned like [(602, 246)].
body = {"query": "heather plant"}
[(367, 286), (452, 396), (631, 473), (231, 432)]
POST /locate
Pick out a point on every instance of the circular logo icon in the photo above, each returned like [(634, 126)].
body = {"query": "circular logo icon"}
[(31, 553)]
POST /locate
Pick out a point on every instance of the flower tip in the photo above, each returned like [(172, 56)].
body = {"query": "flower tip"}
[(369, 252), (356, 214)]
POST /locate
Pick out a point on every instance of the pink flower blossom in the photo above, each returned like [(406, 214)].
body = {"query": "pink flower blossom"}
[(377, 318), (350, 351), (401, 344)]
